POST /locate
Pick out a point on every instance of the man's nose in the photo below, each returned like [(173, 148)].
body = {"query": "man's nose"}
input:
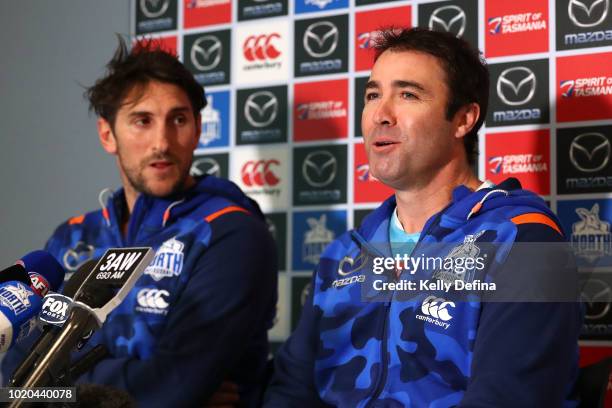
[(162, 137), (385, 113)]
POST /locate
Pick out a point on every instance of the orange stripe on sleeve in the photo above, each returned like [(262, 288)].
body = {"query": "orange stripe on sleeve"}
[(76, 220), (233, 208), (536, 218)]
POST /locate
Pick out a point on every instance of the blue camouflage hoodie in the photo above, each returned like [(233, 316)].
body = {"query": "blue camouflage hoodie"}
[(359, 347), (200, 312)]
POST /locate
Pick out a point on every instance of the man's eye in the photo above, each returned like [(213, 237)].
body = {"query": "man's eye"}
[(409, 95), (371, 96), (142, 121), (180, 120)]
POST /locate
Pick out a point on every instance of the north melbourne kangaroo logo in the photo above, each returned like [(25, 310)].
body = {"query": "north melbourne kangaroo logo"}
[(591, 237)]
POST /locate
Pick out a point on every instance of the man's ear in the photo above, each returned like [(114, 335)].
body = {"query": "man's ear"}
[(107, 137), (465, 119)]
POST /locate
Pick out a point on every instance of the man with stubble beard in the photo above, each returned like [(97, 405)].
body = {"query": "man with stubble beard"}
[(199, 315), (396, 336)]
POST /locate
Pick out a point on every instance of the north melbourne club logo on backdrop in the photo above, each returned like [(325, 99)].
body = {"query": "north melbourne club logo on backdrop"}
[(261, 115), (207, 56), (588, 221), (210, 164), (263, 174), (367, 26), (262, 52), (156, 15), (255, 9), (321, 45), (319, 175), (517, 27), (313, 232), (456, 17), (583, 160), (215, 120), (518, 93), (309, 6), (583, 23), (584, 90)]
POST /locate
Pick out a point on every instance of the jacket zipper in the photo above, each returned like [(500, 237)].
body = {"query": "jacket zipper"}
[(385, 332)]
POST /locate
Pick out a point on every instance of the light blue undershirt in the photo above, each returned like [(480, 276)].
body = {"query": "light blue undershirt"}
[(401, 242)]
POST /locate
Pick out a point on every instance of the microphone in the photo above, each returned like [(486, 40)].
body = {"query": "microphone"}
[(21, 301), (53, 315), (104, 288), (44, 271), (26, 269)]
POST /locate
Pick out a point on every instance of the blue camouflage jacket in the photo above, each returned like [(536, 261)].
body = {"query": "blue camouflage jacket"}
[(359, 347), (200, 312)]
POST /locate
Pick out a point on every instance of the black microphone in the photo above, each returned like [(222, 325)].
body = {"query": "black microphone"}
[(51, 329), (104, 288)]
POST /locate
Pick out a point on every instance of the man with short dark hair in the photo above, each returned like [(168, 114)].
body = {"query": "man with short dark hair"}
[(199, 315), (413, 334)]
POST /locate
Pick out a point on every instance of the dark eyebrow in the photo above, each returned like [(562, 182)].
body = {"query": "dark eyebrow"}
[(407, 84), (178, 109), (397, 84), (371, 84)]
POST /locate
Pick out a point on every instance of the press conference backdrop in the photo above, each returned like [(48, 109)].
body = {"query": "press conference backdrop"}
[(285, 83)]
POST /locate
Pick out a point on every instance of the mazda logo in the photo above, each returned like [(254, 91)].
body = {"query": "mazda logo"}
[(511, 82), (596, 295), (206, 52), (261, 108), (154, 8), (205, 165), (321, 39), (348, 265), (451, 19), (590, 152), (319, 168), (588, 16)]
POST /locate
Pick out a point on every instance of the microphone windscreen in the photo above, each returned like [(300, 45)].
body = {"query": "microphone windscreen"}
[(15, 273), (44, 264)]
